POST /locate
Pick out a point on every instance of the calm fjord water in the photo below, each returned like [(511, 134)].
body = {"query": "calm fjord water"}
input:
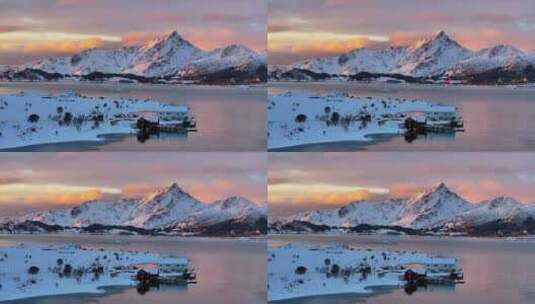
[(496, 118), (228, 118), (229, 271)]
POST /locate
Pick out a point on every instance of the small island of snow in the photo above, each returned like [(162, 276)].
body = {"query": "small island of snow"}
[(302, 118), (30, 118), (35, 271), (296, 271)]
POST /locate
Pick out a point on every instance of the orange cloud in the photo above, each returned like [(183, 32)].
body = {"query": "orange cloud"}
[(62, 47), (333, 47), (306, 45), (333, 198), (68, 198)]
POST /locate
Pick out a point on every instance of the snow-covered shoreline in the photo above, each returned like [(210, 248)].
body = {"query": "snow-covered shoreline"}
[(298, 118), (297, 271), (34, 118), (36, 271), (116, 84), (276, 83)]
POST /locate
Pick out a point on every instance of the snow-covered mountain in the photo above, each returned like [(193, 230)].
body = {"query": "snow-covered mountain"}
[(432, 56), (432, 208), (168, 207), (504, 209), (353, 214), (501, 56), (166, 56), (234, 56), (163, 208), (436, 56), (373, 60), (438, 207)]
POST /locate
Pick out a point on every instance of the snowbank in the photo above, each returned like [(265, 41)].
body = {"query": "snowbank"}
[(359, 270), (32, 118), (17, 282), (301, 118)]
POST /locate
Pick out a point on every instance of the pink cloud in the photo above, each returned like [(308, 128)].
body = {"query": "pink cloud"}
[(407, 38), (137, 38), (131, 190), (489, 37)]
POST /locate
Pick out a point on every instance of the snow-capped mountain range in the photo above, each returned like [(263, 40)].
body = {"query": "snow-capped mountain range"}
[(167, 56), (170, 208), (437, 56), (436, 208)]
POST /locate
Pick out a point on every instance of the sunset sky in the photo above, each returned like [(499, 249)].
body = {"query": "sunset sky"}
[(299, 182), (34, 181), (301, 29), (31, 29)]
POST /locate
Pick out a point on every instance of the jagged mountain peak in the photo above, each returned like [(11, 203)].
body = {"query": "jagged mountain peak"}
[(173, 191), (501, 56), (427, 57), (235, 48), (169, 55), (438, 37), (169, 45), (234, 201), (433, 56), (500, 209), (503, 201), (233, 52), (168, 208), (439, 189), (438, 56), (172, 37), (501, 50), (441, 35), (436, 208), (432, 208), (174, 187)]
